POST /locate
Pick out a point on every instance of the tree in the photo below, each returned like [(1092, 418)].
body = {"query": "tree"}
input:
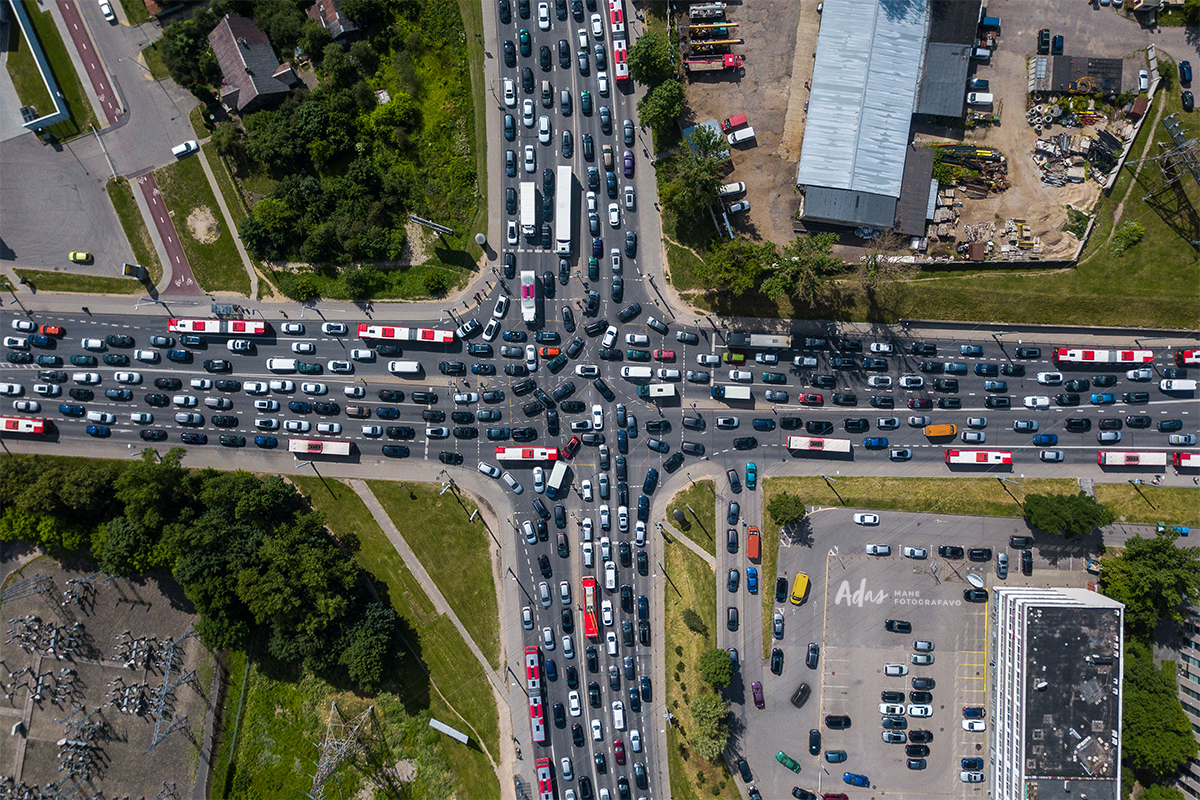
[(125, 547), (786, 509), (360, 282), (735, 265), (711, 715), (1155, 579), (804, 268), (652, 59), (228, 138), (1158, 791), (716, 668), (365, 57), (661, 107), (694, 622), (369, 646), (1064, 514), (1157, 738), (882, 264), (336, 66), (697, 172)]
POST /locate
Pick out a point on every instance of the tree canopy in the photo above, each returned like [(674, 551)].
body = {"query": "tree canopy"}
[(1155, 580), (786, 509), (661, 107), (1157, 738), (653, 59), (716, 668), (694, 175), (711, 714), (1064, 514)]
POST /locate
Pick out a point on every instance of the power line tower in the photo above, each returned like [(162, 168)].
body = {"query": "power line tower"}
[(343, 742), (164, 709), (42, 585)]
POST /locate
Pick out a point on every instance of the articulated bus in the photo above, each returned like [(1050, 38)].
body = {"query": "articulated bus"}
[(233, 327), (389, 332), (545, 779), (978, 456), (1136, 458), (537, 720), (1186, 460), (1067, 355), (1187, 358), (533, 670), (528, 296), (564, 212), (588, 583), (620, 51), (320, 447), (34, 427), (531, 454), (817, 444)]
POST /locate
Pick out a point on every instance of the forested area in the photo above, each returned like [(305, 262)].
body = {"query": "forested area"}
[(250, 555)]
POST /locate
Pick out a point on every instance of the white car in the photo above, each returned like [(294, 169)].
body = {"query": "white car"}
[(184, 400), (605, 521), (491, 470), (587, 370), (297, 426), (539, 480), (587, 529), (339, 367), (362, 355), (597, 730), (573, 704), (372, 430), (512, 483), (922, 645), (635, 740), (201, 383), (266, 424), (744, 376), (544, 131), (921, 659), (618, 711), (567, 772), (527, 618), (20, 342), (610, 579), (334, 328), (102, 417), (510, 94), (883, 348), (544, 16), (974, 725), (27, 405), (610, 641), (132, 378), (920, 710), (974, 437), (891, 709), (637, 339), (589, 554), (879, 549), (911, 381), (531, 357), (915, 552), (511, 233), (583, 40), (530, 159), (304, 348), (47, 389), (614, 215), (1037, 401), (354, 391), (23, 325), (597, 26), (1143, 374), (586, 490), (297, 328), (597, 417), (707, 359), (667, 374), (547, 639), (88, 344), (639, 533), (564, 592), (568, 646), (614, 260), (266, 405), (971, 777), (866, 519), (879, 381), (976, 422), (314, 388), (146, 356), (804, 361), (606, 613), (602, 83), (466, 398), (329, 427), (610, 336), (239, 345), (501, 307), (1050, 378), (86, 378), (895, 670), (255, 387)]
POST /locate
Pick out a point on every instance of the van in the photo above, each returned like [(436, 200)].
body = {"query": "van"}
[(979, 84), (799, 588), (181, 150), (734, 122), (1177, 385), (565, 102), (752, 543), (281, 364), (935, 431), (738, 137), (979, 98), (405, 367), (981, 54), (636, 372), (731, 188)]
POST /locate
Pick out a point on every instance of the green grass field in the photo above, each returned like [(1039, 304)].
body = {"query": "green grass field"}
[(702, 524), (135, 11), (438, 671), (453, 552), (214, 260), (120, 193), (61, 65), (154, 60), (74, 283)]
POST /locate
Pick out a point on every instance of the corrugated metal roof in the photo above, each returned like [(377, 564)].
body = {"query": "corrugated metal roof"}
[(863, 89), (847, 207), (944, 80)]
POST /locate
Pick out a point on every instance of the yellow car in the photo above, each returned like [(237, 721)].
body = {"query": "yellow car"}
[(80, 257)]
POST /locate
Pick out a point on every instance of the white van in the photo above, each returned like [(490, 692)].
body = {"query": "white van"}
[(281, 364), (405, 367), (1177, 385), (636, 372), (731, 188), (980, 98), (102, 417), (737, 137), (93, 344), (618, 715)]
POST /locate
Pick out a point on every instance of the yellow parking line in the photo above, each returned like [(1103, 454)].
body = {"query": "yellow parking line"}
[(976, 652), (970, 677)]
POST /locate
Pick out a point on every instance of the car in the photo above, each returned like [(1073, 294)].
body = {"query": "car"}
[(866, 519), (837, 722), (897, 625), (814, 741), (974, 725), (975, 595), (895, 670), (787, 761)]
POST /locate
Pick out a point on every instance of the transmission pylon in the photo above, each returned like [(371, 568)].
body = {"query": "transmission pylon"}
[(343, 741)]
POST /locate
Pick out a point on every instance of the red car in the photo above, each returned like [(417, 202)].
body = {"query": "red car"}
[(548, 352), (619, 751), (664, 355), (920, 402), (51, 330), (571, 448), (812, 399)]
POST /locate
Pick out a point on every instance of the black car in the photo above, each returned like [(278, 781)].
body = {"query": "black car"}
[(818, 427), (1043, 42), (193, 438), (217, 365), (16, 357), (1012, 370), (225, 421), (950, 551), (814, 742), (923, 349), (153, 434), (883, 401), (118, 394), (975, 595), (995, 402), (855, 424), (1138, 421), (82, 394), (400, 432), (159, 400), (837, 722), (116, 360), (980, 554), (228, 385), (920, 737), (1169, 425), (1104, 381), (897, 625), (1078, 424), (745, 443), (1136, 397), (629, 312), (395, 450), (1067, 399), (1029, 352), (777, 661), (119, 340), (844, 399), (449, 458), (1111, 424), (510, 266)]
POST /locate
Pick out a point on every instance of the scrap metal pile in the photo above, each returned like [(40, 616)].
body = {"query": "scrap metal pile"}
[(988, 162), (1065, 158)]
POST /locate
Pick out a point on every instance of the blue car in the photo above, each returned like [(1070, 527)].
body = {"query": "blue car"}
[(751, 474), (1043, 439), (752, 580), (764, 424), (854, 779), (266, 441), (70, 411), (1103, 398), (875, 442), (551, 670), (179, 355), (835, 756), (97, 430)]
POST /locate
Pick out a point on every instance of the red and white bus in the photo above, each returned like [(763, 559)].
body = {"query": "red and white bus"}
[(1187, 358), (393, 333), (1130, 458), (616, 18), (588, 583), (1186, 460), (35, 427), (620, 61), (545, 779), (978, 456), (320, 447), (818, 444), (1068, 355), (233, 327), (537, 720), (533, 670), (527, 453)]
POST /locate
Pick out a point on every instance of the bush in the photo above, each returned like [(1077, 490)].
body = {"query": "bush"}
[(716, 668), (694, 623), (1126, 237)]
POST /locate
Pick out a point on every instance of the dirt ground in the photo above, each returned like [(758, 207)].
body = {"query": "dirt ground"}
[(780, 39), (121, 767)]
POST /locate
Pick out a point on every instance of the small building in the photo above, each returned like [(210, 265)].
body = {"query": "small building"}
[(253, 76), (329, 14)]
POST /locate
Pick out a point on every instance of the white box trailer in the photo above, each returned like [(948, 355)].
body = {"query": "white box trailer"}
[(528, 208), (657, 390)]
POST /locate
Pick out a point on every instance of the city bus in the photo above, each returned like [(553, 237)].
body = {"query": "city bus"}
[(533, 670), (545, 779), (564, 212), (1187, 358), (537, 720), (29, 425), (978, 456), (392, 333), (530, 454), (588, 584), (818, 444), (233, 327), (620, 50), (320, 447), (1067, 355), (616, 18), (1130, 458), (1186, 460)]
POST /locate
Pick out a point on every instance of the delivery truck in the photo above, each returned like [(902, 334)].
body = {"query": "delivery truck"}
[(732, 393), (758, 341), (712, 63), (528, 209), (655, 390)]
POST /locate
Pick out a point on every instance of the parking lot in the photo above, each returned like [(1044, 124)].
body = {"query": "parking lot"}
[(851, 596)]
